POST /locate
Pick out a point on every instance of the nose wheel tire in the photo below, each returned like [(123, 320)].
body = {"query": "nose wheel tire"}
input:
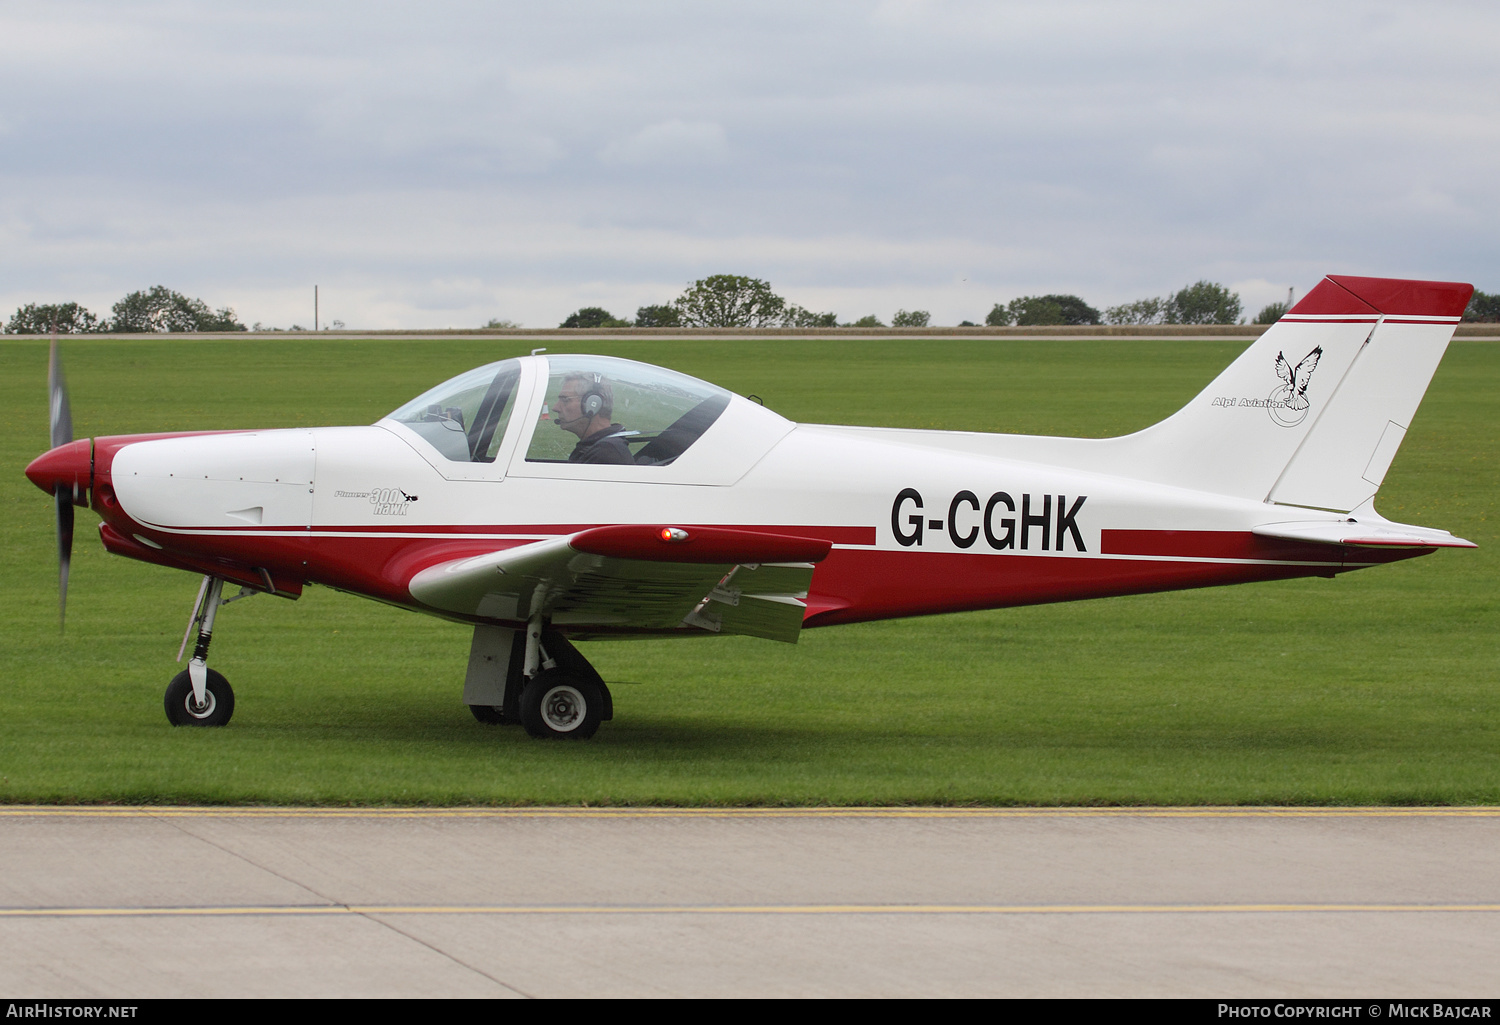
[(218, 701), (560, 707)]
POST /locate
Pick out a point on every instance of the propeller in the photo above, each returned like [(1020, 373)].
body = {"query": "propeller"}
[(62, 433)]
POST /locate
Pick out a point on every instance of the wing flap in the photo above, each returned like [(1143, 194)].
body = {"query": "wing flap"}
[(639, 577), (757, 600)]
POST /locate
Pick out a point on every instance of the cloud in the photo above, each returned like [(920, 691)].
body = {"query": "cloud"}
[(553, 156), (671, 143)]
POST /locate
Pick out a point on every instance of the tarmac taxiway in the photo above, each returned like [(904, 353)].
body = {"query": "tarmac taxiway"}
[(1235, 902)]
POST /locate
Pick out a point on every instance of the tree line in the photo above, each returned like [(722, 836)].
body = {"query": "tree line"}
[(719, 300), (152, 309), (731, 300)]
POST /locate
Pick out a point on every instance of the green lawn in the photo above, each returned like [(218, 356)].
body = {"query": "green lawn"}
[(1381, 686)]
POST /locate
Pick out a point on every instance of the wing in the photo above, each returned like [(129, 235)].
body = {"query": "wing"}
[(637, 576)]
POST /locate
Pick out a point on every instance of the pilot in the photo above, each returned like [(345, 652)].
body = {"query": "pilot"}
[(583, 407)]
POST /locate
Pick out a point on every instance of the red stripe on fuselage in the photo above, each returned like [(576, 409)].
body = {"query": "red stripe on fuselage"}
[(852, 584), (836, 535), (885, 585), (1212, 544)]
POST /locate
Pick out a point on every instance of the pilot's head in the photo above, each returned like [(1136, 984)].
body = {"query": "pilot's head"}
[(584, 403)]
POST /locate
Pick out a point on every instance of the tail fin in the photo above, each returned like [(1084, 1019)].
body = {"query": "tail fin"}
[(1312, 413)]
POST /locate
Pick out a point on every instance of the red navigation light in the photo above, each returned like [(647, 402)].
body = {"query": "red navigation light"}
[(671, 534)]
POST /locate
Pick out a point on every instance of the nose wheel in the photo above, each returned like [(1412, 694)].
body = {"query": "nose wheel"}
[(185, 709)]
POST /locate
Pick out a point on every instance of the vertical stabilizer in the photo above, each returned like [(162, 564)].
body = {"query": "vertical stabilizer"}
[(1343, 460), (1313, 411)]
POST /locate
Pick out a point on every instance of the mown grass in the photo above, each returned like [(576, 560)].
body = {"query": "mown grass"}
[(1378, 687)]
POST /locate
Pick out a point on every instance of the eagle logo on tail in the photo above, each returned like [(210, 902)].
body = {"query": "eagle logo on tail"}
[(1288, 404)]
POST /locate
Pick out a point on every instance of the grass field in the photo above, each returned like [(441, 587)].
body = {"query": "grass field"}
[(1381, 686)]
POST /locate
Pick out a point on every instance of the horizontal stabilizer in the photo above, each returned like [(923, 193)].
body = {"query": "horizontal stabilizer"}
[(1363, 535)]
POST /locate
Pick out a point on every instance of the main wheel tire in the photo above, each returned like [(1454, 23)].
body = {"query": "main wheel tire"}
[(490, 715), (559, 707), (218, 701)]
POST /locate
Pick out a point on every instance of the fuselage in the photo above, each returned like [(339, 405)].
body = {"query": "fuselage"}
[(916, 527)]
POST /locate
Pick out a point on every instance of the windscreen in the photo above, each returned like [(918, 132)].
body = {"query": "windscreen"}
[(465, 418)]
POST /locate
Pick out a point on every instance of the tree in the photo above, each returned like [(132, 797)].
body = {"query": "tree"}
[(495, 323), (69, 319), (1483, 308), (911, 318), (161, 309), (999, 316), (222, 319), (1142, 311), (1036, 311), (1075, 310), (657, 316), (867, 321), (1205, 302), (728, 300), (796, 316), (593, 316), (1033, 310), (1271, 313)]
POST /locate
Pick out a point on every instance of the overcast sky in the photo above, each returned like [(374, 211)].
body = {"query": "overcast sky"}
[(441, 163)]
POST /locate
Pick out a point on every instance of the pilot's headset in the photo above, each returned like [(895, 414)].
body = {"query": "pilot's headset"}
[(597, 399)]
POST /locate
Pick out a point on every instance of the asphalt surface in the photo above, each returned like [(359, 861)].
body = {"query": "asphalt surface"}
[(122, 903)]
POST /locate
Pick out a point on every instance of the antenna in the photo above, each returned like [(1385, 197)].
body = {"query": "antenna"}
[(315, 307)]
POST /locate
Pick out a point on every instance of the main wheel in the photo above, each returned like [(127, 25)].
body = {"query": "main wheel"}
[(218, 701), (561, 707)]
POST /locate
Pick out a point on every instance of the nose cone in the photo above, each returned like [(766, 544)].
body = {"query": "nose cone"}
[(66, 466)]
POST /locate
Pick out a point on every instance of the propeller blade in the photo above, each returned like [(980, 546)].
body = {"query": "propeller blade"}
[(64, 552), (61, 424), (57, 395)]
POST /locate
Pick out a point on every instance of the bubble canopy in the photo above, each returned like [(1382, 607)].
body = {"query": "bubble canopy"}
[(649, 415)]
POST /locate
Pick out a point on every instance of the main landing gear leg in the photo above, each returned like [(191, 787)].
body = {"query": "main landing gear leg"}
[(200, 696), (535, 677)]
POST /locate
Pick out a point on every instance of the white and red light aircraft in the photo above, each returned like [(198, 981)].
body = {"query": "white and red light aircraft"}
[(714, 514)]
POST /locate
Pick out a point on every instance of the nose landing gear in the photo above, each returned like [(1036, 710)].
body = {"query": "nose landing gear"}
[(200, 696)]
